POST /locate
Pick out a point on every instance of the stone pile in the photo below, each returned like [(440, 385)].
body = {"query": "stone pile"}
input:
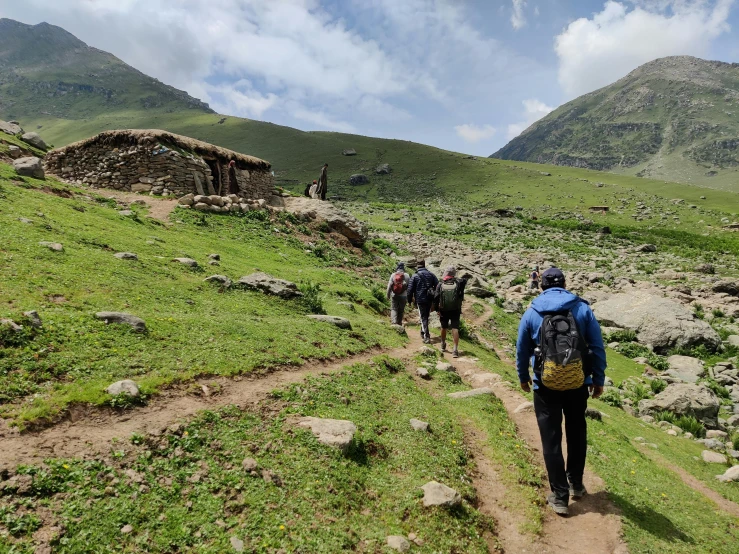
[(220, 204)]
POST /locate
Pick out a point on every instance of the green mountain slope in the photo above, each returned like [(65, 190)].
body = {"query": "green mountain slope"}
[(674, 118)]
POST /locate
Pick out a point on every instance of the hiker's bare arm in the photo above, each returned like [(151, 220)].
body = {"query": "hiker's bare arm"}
[(526, 386), (596, 390)]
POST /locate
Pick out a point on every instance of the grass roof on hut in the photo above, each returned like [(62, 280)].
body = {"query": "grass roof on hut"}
[(130, 137)]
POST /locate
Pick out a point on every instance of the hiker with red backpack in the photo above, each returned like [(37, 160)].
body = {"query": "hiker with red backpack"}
[(448, 301), (397, 293), (560, 337)]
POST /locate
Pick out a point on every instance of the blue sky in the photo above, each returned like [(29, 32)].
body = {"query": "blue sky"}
[(466, 75)]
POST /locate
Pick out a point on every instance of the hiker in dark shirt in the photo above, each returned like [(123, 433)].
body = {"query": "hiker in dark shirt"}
[(421, 292), (448, 300), (535, 279)]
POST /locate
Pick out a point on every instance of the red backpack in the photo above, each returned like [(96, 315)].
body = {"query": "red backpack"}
[(399, 284)]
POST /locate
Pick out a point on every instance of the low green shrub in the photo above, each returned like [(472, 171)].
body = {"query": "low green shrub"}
[(717, 388), (666, 416), (639, 392), (612, 398), (657, 385), (622, 335), (520, 280), (311, 298), (691, 425), (393, 365), (735, 441)]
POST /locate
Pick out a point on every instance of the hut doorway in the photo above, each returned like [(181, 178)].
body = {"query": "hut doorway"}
[(215, 170), (233, 183)]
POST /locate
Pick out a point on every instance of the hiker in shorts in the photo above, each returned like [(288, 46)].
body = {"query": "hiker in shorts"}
[(421, 290), (397, 293), (448, 301), (560, 337), (535, 279)]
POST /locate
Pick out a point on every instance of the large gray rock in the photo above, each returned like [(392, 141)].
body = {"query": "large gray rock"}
[(731, 474), (358, 179), (480, 292), (340, 322), (349, 152), (657, 321), (136, 323), (270, 285), (337, 433), (14, 151), (55, 246), (222, 280), (383, 169), (126, 386), (337, 219), (419, 425), (726, 285), (436, 494), (685, 368), (34, 320), (711, 457), (10, 128), (398, 543), (12, 325), (186, 261), (684, 399), (29, 166), (126, 256), (34, 139)]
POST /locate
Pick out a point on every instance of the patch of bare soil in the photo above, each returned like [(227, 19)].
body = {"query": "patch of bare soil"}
[(159, 208)]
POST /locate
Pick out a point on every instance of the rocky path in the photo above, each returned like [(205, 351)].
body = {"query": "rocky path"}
[(593, 525), (159, 208)]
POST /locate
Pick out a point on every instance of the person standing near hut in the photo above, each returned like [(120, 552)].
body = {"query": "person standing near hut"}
[(323, 182)]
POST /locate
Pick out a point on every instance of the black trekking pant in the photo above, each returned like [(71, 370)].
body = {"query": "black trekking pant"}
[(424, 310), (550, 406)]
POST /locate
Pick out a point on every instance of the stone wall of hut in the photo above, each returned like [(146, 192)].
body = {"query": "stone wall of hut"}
[(150, 168)]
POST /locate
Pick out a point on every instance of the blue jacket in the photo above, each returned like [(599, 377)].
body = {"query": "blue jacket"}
[(557, 300), (422, 286)]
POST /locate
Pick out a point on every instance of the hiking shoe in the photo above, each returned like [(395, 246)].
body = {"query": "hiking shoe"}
[(558, 506), (455, 354), (443, 346), (577, 492), (426, 340)]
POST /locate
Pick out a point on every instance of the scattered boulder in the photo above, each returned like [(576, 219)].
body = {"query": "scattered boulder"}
[(12, 325), (470, 393), (187, 200), (713, 444), (524, 407), (337, 219), (126, 256), (55, 246), (34, 320), (658, 321), (222, 280), (270, 285), (127, 529), (340, 322), (397, 328), (237, 544), (483, 379), (349, 152), (423, 373), (136, 323), (444, 366), (646, 248), (592, 413), (10, 128), (14, 152), (419, 425), (707, 269), (479, 292), (727, 286), (685, 368), (685, 399), (436, 494), (186, 261), (250, 464), (126, 386), (398, 543), (337, 433), (731, 474), (29, 166), (34, 139), (711, 457), (358, 179), (383, 169), (716, 434)]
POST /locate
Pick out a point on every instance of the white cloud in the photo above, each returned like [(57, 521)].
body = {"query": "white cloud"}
[(597, 51), (239, 98), (475, 133), (324, 121), (518, 17), (534, 110)]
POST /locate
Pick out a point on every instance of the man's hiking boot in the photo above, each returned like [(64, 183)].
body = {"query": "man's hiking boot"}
[(577, 492), (426, 340), (559, 506), (455, 353), (443, 346)]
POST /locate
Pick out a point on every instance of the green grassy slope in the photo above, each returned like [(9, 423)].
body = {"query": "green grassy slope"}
[(674, 118), (195, 328)]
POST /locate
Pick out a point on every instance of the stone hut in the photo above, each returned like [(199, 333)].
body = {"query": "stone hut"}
[(161, 163)]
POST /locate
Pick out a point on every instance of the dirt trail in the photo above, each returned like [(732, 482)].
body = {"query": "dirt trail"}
[(88, 431), (593, 526), (159, 208)]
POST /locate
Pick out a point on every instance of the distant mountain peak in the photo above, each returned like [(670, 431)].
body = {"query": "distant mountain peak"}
[(675, 118)]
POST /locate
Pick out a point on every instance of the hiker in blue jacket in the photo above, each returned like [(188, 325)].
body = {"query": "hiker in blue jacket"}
[(549, 404), (421, 292)]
